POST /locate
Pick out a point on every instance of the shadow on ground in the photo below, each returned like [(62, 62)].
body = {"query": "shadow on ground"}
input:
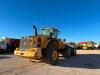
[(4, 57), (89, 61), (6, 53)]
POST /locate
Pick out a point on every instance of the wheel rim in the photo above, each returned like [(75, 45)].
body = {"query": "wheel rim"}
[(54, 55)]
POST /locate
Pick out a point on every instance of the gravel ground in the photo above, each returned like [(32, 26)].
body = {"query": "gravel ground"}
[(87, 62)]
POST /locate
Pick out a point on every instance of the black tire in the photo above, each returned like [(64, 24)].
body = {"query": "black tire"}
[(98, 47), (73, 51), (66, 53), (90, 48), (51, 48)]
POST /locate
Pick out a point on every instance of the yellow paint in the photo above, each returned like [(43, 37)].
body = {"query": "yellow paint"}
[(31, 53)]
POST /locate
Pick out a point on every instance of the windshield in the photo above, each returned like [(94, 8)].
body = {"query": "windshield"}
[(25, 43), (48, 32)]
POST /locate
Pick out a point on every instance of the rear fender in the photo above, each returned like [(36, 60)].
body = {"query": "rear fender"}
[(52, 40)]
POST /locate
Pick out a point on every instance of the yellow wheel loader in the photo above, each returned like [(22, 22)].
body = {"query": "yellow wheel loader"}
[(45, 46), (87, 45)]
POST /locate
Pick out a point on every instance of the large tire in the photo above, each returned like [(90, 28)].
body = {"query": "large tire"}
[(90, 48), (52, 53), (98, 47), (73, 51), (67, 52)]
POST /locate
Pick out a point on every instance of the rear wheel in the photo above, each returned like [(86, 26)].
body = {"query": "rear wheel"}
[(90, 48), (67, 52), (98, 47), (52, 53), (73, 52)]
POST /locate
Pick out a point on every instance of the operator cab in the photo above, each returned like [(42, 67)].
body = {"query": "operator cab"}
[(51, 32)]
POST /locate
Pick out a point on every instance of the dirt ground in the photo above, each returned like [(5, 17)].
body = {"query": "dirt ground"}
[(87, 62)]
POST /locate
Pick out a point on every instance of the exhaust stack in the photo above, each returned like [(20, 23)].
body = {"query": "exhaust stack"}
[(35, 30)]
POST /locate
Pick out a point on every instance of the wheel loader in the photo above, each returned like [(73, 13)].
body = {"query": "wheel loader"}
[(88, 45), (45, 46)]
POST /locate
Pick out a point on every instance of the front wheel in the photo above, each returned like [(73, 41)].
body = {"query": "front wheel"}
[(52, 53)]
